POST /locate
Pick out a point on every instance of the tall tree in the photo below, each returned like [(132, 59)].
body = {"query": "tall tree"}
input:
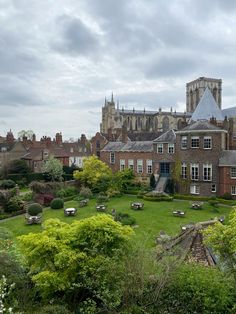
[(93, 171), (54, 168)]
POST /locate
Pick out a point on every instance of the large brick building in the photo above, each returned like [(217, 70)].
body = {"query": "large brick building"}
[(202, 143)]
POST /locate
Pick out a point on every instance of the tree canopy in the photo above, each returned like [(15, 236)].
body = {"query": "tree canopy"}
[(94, 170), (78, 259), (54, 168)]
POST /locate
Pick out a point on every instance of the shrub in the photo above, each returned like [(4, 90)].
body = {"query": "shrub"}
[(124, 219), (85, 192), (57, 203), (7, 184), (34, 209), (102, 198), (227, 196), (14, 204)]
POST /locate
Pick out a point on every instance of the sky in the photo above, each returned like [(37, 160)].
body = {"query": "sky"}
[(60, 59)]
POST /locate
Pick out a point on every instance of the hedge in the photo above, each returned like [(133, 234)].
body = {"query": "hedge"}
[(158, 198)]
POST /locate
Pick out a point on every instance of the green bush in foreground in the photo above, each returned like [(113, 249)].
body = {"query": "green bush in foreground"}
[(57, 203), (34, 209)]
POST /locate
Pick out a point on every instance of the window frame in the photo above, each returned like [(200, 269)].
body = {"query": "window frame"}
[(112, 158), (196, 138)]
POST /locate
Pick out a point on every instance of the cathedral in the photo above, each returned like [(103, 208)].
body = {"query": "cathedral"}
[(140, 122)]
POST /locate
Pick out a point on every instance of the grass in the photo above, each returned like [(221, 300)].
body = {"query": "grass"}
[(154, 217)]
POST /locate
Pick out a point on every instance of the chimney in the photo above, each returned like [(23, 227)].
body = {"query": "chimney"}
[(124, 135), (83, 139), (10, 138), (58, 139)]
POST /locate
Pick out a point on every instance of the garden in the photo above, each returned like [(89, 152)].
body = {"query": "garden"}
[(97, 249)]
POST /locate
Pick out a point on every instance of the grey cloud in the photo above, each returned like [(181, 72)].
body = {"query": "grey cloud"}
[(74, 37)]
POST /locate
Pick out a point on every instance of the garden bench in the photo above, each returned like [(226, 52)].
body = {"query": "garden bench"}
[(83, 203), (30, 220), (196, 205), (137, 205), (70, 211), (101, 208), (179, 213)]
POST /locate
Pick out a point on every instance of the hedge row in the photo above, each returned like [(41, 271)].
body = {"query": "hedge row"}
[(158, 198)]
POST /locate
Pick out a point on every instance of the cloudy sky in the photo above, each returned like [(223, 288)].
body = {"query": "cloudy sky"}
[(59, 59)]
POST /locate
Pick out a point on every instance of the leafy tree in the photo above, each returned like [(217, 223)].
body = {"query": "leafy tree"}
[(81, 261), (18, 166), (54, 169), (223, 240), (152, 181), (94, 170)]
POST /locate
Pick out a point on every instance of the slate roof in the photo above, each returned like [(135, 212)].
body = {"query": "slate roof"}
[(138, 146), (200, 125), (167, 137), (207, 108), (189, 245), (227, 158), (229, 112)]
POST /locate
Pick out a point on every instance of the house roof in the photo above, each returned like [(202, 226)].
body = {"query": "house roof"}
[(227, 158), (167, 137), (188, 245), (207, 108), (138, 146), (201, 125)]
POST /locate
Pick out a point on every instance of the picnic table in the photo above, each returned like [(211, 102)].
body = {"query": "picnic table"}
[(196, 205), (83, 203), (178, 213), (137, 205), (30, 220), (70, 211), (101, 208)]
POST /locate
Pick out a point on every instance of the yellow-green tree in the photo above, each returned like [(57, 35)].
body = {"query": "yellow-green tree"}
[(94, 170), (81, 261)]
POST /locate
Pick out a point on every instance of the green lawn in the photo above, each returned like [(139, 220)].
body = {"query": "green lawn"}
[(154, 217)]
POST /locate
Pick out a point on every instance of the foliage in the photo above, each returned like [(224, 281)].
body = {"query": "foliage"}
[(93, 170), (152, 181), (7, 184), (82, 260), (123, 179), (223, 240), (124, 218), (68, 191), (85, 192), (197, 289), (57, 203), (18, 166), (34, 209), (14, 204), (102, 198), (54, 169)]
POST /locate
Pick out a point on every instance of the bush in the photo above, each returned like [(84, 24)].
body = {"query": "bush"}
[(102, 198), (124, 219), (34, 209), (7, 184), (57, 203), (85, 192), (14, 204)]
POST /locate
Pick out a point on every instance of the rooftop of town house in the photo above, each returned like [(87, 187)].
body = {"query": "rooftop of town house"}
[(138, 146), (227, 158), (167, 137), (201, 125)]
